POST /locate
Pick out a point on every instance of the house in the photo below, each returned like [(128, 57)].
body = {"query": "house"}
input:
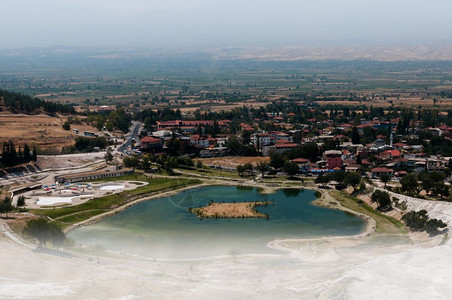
[(333, 159), (377, 172), (214, 152), (151, 144), (303, 163), (280, 148), (262, 139), (92, 175), (199, 141), (390, 154), (162, 134), (245, 127)]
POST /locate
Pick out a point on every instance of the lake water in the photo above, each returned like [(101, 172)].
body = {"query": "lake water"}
[(163, 228)]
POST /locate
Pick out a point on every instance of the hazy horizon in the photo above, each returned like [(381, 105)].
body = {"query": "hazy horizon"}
[(178, 24)]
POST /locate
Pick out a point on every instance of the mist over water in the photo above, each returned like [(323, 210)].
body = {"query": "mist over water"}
[(163, 228)]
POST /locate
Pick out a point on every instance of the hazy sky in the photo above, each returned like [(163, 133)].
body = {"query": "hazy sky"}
[(222, 23)]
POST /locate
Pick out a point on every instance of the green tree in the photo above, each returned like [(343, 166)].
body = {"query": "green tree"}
[(66, 125), (44, 231), (384, 178), (248, 167), (359, 161), (409, 184), (199, 164), (27, 154), (108, 156), (382, 199), (21, 201), (34, 155), (352, 179), (323, 179), (415, 220), (263, 167), (174, 147), (6, 206), (241, 169), (291, 168), (356, 139), (432, 225), (131, 162), (276, 160)]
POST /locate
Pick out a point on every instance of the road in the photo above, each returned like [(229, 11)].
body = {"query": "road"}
[(132, 134)]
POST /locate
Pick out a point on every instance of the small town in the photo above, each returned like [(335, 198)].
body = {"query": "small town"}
[(213, 149)]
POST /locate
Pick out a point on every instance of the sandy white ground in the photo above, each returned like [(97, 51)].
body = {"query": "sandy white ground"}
[(370, 269), (376, 267), (112, 187), (53, 200)]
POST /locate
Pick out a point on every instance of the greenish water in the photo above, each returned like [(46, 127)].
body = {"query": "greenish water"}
[(163, 228)]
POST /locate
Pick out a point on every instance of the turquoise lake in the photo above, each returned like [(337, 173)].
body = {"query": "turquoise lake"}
[(163, 228)]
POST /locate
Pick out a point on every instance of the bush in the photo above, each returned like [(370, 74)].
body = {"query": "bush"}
[(66, 126), (415, 220), (432, 225)]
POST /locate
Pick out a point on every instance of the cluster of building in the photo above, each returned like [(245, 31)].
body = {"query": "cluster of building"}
[(382, 156)]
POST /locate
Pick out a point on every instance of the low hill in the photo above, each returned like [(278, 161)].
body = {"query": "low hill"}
[(20, 103), (42, 130)]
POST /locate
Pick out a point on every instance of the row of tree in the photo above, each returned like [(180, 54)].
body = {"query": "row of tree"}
[(12, 157), (166, 162), (29, 104), (6, 205), (87, 144), (432, 183), (342, 179), (419, 221)]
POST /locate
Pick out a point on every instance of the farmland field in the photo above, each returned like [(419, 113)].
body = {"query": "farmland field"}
[(200, 80)]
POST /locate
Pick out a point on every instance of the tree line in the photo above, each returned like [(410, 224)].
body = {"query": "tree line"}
[(12, 157), (29, 104)]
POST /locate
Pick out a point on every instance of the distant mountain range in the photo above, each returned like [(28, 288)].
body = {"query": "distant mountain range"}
[(377, 53), (381, 53)]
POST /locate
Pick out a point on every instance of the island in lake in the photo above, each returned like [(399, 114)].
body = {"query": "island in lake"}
[(231, 210)]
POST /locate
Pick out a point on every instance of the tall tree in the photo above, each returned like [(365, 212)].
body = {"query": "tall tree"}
[(356, 139)]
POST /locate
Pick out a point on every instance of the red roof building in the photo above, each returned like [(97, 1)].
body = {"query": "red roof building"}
[(151, 144)]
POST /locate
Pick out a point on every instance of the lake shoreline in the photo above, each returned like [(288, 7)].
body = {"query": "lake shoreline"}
[(322, 201)]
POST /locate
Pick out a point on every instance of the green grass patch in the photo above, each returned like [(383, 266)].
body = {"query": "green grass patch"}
[(385, 224), (77, 213), (78, 217), (211, 172), (127, 177)]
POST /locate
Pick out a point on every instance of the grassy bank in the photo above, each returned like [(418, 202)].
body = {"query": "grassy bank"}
[(67, 216), (211, 172), (385, 224)]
